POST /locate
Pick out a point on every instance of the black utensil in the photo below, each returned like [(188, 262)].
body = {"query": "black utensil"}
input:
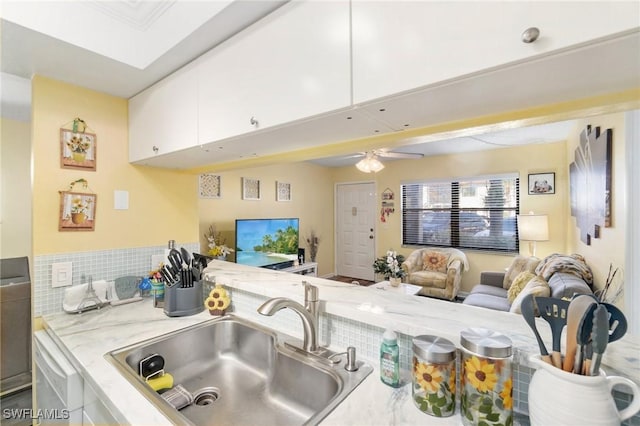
[(175, 258), (186, 257), (554, 311), (528, 312)]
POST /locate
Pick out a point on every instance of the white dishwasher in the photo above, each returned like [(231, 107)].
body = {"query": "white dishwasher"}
[(59, 386)]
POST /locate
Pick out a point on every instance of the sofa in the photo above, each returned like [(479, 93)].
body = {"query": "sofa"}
[(437, 270), (557, 275)]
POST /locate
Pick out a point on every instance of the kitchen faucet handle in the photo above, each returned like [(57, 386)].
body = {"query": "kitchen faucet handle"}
[(310, 292)]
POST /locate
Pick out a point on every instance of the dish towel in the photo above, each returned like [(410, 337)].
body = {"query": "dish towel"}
[(178, 396)]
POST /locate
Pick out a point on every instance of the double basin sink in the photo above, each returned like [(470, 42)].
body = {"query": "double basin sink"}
[(241, 373)]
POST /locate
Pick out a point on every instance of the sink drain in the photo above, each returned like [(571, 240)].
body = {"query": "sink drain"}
[(206, 396)]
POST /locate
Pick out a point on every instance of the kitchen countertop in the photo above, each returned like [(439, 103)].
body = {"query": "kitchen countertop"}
[(89, 336)]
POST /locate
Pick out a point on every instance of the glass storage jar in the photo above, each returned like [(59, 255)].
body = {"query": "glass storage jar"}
[(434, 375), (486, 379)]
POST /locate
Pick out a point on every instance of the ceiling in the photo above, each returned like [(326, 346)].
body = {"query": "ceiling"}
[(122, 47)]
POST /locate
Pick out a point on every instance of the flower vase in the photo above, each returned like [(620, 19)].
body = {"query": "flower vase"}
[(395, 281), (78, 218), (562, 398), (79, 157)]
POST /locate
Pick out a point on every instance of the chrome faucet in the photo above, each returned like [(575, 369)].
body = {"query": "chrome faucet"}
[(308, 313)]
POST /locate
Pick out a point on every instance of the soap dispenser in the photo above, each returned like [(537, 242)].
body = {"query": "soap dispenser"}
[(390, 359)]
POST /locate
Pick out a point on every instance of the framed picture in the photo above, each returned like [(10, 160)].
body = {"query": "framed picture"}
[(78, 150), (250, 189), (209, 186), (77, 211), (283, 191), (542, 183)]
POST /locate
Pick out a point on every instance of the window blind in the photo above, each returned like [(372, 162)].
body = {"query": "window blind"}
[(472, 213)]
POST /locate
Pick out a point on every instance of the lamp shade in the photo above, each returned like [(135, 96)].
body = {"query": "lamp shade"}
[(370, 163), (533, 227)]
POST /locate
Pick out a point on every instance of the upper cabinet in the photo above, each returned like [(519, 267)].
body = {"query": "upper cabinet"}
[(164, 117), (404, 45), (292, 64)]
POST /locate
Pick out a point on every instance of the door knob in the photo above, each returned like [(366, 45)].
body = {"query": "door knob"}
[(371, 237)]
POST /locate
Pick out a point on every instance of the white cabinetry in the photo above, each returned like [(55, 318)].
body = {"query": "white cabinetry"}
[(164, 117), (403, 45), (292, 64), (94, 412)]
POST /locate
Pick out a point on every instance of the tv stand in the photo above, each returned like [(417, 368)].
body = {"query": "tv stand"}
[(307, 268)]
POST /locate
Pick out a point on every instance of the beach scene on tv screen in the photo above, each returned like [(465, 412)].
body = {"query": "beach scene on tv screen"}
[(263, 242)]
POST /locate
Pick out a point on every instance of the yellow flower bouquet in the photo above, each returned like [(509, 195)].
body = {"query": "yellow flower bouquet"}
[(487, 396)]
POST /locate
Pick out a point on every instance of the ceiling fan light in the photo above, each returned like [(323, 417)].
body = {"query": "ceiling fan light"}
[(369, 164)]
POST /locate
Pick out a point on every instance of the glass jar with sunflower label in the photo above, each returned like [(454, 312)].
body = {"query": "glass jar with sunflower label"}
[(434, 375), (486, 379)]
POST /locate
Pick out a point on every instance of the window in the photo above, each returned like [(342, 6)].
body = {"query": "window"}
[(472, 213)]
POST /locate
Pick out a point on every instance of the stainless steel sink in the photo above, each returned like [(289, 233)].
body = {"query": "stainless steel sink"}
[(241, 373)]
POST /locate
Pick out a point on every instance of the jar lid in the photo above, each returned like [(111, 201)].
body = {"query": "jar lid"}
[(486, 342), (434, 349)]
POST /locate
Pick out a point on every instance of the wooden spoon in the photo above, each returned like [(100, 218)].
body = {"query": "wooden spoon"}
[(577, 308)]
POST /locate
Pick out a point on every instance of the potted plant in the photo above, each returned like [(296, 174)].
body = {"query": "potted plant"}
[(389, 267)]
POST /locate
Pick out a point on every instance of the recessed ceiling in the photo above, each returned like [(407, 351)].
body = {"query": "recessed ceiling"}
[(117, 47)]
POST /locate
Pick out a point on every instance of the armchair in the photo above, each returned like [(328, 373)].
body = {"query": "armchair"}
[(437, 270)]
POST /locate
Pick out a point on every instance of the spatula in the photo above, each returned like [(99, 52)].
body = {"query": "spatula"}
[(528, 313), (578, 306), (554, 311), (600, 337)]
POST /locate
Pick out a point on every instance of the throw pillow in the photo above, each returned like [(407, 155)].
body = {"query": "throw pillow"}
[(435, 261), (518, 284), (519, 264), (536, 286)]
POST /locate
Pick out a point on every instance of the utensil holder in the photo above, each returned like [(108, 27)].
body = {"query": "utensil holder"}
[(561, 398), (183, 301)]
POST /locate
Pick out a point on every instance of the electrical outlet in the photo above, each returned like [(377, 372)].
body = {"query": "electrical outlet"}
[(61, 274)]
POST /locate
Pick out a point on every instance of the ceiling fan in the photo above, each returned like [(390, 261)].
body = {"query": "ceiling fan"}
[(370, 163)]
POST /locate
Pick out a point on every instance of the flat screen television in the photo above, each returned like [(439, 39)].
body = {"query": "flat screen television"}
[(267, 243)]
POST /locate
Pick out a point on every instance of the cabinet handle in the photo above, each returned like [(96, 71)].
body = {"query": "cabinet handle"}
[(254, 122), (155, 149)]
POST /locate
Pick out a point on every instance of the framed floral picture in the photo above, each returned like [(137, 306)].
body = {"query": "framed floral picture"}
[(77, 211), (78, 150), (283, 191), (251, 189)]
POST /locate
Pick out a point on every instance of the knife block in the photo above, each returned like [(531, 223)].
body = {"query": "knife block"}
[(182, 302)]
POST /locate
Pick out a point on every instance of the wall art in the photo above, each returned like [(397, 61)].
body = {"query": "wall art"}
[(250, 189), (590, 182), (209, 186), (78, 148), (283, 191), (542, 183)]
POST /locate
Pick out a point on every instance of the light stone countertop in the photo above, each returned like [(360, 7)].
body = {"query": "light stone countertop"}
[(89, 336)]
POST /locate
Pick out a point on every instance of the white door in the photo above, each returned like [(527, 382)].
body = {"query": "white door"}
[(355, 217)]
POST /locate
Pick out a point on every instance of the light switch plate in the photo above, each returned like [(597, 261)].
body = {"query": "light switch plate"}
[(120, 200), (61, 274)]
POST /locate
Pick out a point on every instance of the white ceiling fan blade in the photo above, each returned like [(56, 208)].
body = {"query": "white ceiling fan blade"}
[(391, 154)]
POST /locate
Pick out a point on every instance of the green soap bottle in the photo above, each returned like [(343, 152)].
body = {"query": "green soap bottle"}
[(390, 359)]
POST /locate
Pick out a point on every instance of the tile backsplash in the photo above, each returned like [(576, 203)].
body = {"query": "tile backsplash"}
[(100, 265)]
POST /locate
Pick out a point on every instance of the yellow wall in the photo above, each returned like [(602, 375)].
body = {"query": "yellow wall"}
[(15, 226), (311, 202), (162, 203), (523, 160), (610, 248)]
